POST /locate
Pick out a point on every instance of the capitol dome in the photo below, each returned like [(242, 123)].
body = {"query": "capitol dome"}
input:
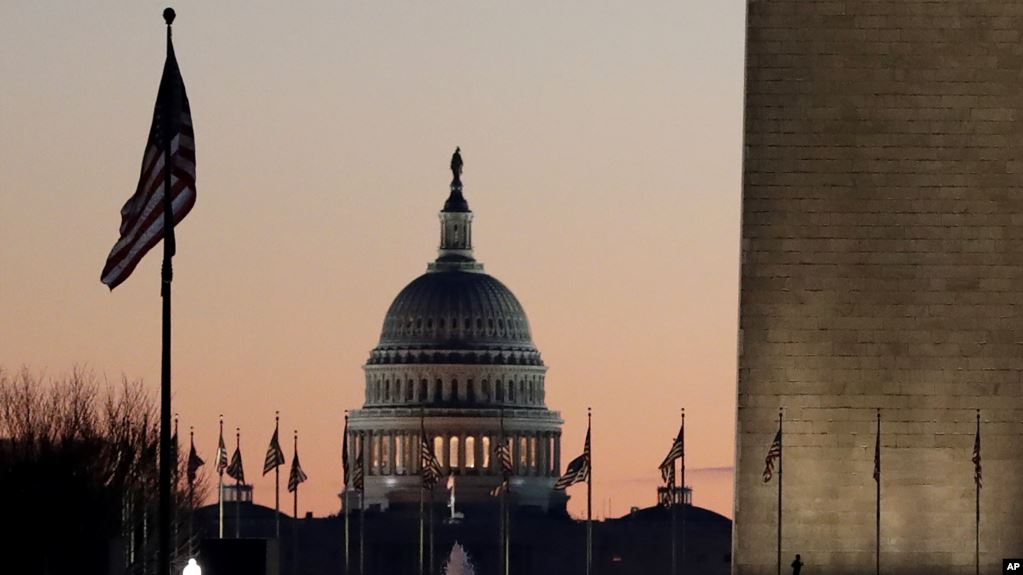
[(456, 364), (456, 316)]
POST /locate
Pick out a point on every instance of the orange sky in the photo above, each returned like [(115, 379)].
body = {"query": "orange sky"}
[(602, 160)]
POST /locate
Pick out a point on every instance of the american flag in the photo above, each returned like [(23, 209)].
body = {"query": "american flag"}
[(677, 451), (274, 455), (578, 469), (345, 470), (773, 453), (877, 454), (235, 470), (221, 454), (194, 463), (667, 499), (504, 457), (142, 217), (431, 470), (358, 473), (297, 475), (502, 487), (976, 457)]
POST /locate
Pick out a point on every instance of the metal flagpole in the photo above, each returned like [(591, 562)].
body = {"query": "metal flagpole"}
[(422, 489), (347, 474), (781, 456), (296, 484), (672, 502), (238, 489), (505, 509), (166, 277), (362, 504), (682, 492), (175, 539), (191, 494), (877, 518), (422, 496), (589, 497), (976, 482), (220, 486), (430, 553), (277, 480)]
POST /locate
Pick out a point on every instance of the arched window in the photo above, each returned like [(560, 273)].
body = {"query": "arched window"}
[(499, 388), (438, 449), (486, 452), (374, 443), (438, 391), (532, 453), (453, 455), (399, 455), (470, 452)]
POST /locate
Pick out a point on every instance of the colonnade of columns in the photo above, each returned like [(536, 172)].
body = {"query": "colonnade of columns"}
[(536, 453), (526, 391)]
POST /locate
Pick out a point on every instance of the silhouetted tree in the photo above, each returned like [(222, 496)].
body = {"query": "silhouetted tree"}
[(78, 468)]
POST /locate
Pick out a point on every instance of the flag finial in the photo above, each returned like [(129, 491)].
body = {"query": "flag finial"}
[(168, 15)]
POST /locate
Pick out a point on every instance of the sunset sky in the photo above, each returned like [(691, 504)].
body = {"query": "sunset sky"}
[(602, 147)]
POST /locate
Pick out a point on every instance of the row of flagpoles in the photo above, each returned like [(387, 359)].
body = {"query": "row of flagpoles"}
[(775, 454), (235, 470)]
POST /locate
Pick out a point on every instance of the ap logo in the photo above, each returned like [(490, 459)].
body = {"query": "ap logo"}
[(1012, 566)]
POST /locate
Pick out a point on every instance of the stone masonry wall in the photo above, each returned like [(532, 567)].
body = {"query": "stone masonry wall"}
[(882, 267)]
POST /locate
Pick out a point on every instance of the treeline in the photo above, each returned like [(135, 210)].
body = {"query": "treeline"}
[(79, 475)]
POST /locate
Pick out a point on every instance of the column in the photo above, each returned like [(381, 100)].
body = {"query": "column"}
[(541, 449), (557, 454)]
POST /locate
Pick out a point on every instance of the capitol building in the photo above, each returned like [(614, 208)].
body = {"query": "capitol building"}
[(457, 359)]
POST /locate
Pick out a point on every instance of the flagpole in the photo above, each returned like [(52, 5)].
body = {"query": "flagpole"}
[(977, 523), (430, 554), (166, 276), (682, 464), (781, 456), (238, 488), (296, 485), (362, 506), (589, 499), (191, 492), (506, 509), (422, 490), (277, 481), (672, 503), (174, 493), (877, 518), (220, 487), (347, 474)]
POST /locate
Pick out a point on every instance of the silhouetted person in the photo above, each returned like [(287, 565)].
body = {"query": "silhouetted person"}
[(456, 166), (797, 565)]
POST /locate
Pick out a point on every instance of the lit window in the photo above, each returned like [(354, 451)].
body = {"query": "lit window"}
[(399, 455), (374, 443), (470, 452), (523, 452), (453, 454), (532, 452), (385, 455), (438, 448), (486, 452)]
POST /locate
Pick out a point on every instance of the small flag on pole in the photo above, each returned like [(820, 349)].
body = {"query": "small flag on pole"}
[(431, 470), (773, 454), (578, 469), (274, 455), (235, 470), (668, 498), (194, 463), (221, 452), (877, 455), (676, 452), (297, 475), (976, 457), (142, 217), (358, 475), (504, 458)]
